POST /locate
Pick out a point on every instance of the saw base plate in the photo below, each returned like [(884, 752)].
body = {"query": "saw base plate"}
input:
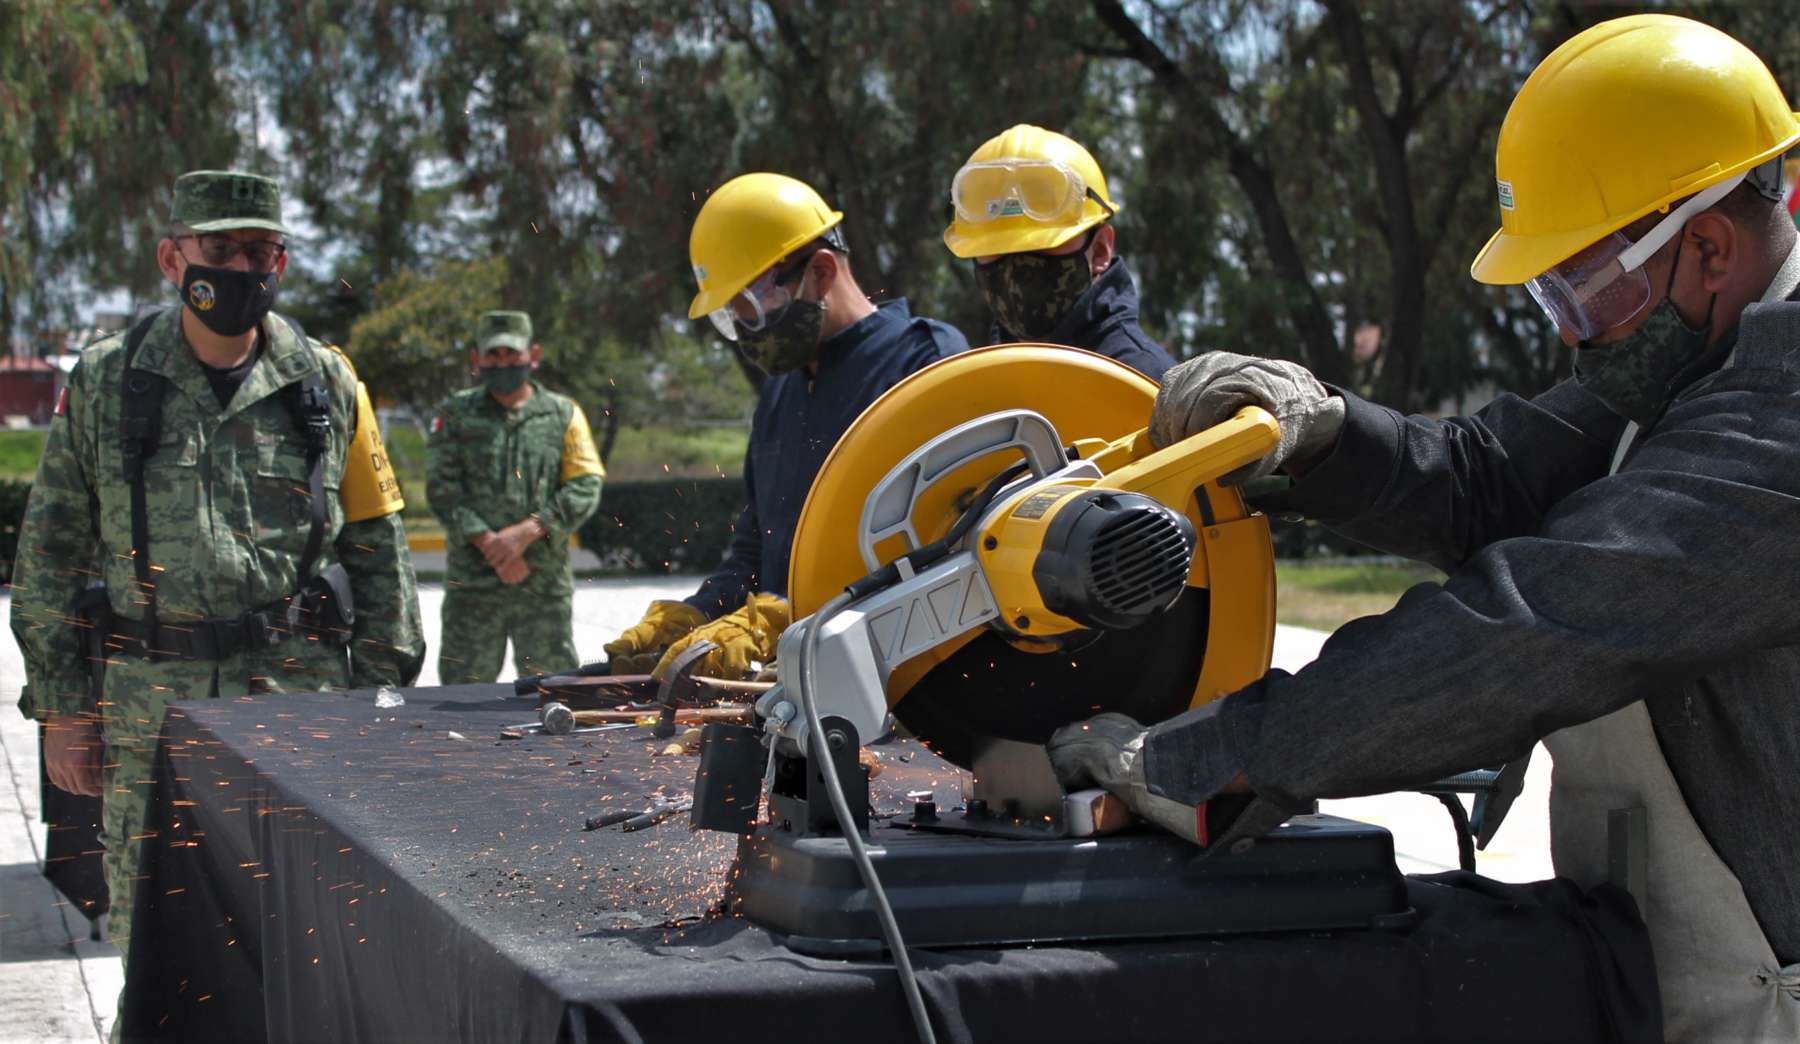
[(1313, 873)]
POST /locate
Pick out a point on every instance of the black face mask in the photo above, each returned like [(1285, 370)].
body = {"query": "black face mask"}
[(504, 380), (1639, 376), (1029, 294), (227, 301)]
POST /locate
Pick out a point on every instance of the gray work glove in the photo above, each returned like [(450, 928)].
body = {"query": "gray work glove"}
[(1209, 390), (1108, 752)]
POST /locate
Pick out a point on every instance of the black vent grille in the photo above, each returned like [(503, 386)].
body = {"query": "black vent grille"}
[(1138, 562)]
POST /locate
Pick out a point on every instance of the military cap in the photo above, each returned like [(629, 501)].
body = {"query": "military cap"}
[(504, 330), (217, 200)]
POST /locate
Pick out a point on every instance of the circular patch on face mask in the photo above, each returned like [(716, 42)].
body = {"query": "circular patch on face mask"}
[(200, 295)]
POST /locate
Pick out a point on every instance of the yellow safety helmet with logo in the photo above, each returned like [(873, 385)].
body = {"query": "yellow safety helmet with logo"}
[(1625, 119), (745, 227), (1023, 190)]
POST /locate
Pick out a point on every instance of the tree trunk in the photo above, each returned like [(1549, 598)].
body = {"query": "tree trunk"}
[(1386, 136), (1318, 348)]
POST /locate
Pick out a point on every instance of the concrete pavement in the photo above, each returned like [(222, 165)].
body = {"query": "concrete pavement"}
[(56, 985)]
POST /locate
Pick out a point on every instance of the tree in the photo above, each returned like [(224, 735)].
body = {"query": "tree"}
[(1292, 172), (59, 66), (1351, 134), (413, 346), (92, 136)]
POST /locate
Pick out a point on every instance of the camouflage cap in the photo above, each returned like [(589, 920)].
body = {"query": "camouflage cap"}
[(217, 200), (504, 330)]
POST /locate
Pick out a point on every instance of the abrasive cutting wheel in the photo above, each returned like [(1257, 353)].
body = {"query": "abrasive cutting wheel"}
[(1216, 638)]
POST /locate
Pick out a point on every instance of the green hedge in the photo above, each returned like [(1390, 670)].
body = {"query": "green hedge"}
[(664, 525), (12, 513), (676, 526)]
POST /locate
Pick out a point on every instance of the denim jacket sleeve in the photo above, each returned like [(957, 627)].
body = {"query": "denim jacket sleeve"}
[(1572, 592)]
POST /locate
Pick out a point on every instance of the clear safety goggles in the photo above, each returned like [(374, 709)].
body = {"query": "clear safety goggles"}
[(1604, 285), (759, 305), (1042, 190)]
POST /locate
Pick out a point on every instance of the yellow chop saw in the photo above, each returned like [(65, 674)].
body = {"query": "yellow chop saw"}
[(993, 550)]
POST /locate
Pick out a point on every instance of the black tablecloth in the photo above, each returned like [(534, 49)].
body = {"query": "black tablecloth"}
[(323, 870)]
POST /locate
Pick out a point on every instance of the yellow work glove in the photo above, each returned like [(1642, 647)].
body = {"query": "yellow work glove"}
[(750, 634), (642, 645)]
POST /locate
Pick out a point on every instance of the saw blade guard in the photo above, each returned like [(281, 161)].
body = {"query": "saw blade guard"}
[(1103, 575)]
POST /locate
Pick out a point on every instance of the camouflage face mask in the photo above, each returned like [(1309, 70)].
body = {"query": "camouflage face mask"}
[(789, 342), (1030, 293), (1639, 376), (504, 380)]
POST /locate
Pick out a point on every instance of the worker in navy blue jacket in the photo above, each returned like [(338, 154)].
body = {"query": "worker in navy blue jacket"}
[(1032, 209), (774, 276)]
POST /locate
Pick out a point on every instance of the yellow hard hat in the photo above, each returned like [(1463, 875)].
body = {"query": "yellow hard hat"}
[(1025, 189), (747, 225), (1621, 120)]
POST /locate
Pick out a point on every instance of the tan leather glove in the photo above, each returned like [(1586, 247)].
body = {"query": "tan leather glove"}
[(1108, 751), (750, 634), (643, 643), (1210, 389)]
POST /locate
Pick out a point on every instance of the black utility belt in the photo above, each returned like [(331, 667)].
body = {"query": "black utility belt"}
[(322, 611), (218, 639)]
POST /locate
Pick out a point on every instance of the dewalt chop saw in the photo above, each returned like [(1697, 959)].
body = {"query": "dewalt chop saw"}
[(994, 550)]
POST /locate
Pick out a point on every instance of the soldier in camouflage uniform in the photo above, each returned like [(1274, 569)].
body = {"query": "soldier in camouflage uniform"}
[(511, 471), (242, 595)]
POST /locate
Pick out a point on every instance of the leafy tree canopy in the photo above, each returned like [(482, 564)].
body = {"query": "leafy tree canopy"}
[(1299, 178)]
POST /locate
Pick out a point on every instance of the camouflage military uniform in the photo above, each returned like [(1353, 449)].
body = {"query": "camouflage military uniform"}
[(229, 513), (487, 467)]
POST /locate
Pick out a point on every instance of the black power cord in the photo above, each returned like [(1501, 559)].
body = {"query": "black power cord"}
[(818, 744), (818, 748)]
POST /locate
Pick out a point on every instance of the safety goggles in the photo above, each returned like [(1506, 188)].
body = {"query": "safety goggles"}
[(759, 305), (1604, 285), (1046, 191)]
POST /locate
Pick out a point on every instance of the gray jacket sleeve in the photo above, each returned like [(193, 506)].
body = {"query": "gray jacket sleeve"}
[(1571, 594)]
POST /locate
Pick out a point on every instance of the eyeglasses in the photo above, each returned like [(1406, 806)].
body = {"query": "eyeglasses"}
[(218, 249), (1604, 285)]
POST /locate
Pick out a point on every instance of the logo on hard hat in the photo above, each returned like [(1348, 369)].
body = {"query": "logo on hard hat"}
[(1506, 196), (700, 274), (200, 295)]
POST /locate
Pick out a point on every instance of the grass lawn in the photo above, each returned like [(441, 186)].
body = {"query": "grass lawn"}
[(653, 453), (19, 453), (639, 453), (1324, 597)]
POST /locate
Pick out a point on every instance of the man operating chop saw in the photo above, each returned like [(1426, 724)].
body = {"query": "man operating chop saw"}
[(774, 276), (1623, 568)]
